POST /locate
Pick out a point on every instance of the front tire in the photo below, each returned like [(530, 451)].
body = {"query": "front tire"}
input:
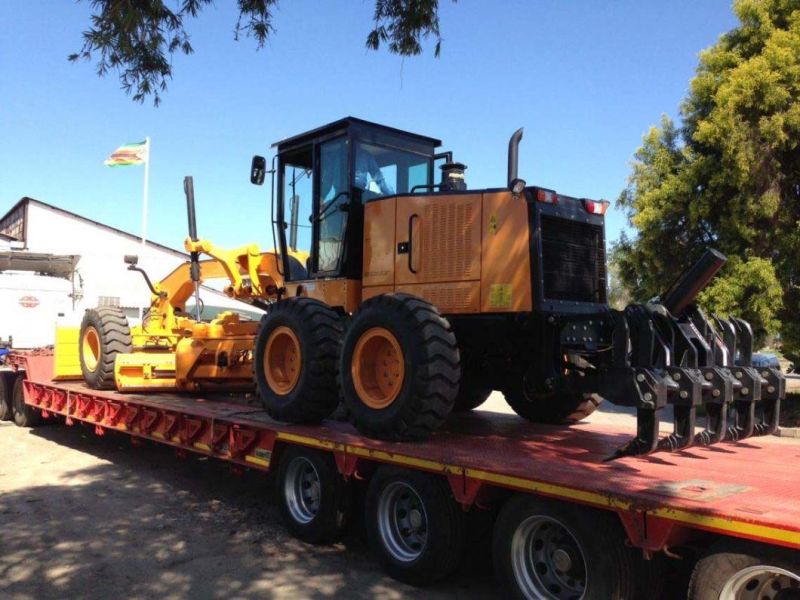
[(296, 360), (400, 368), (314, 499), (104, 334), (414, 525)]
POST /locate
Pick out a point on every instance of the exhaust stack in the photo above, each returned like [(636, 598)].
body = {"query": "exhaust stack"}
[(513, 155)]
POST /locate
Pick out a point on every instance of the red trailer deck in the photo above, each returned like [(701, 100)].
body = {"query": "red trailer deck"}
[(744, 491)]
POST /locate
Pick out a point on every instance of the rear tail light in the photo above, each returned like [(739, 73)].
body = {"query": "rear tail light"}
[(596, 207), (546, 196)]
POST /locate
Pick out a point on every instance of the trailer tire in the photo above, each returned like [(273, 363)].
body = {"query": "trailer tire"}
[(415, 394), (470, 397), (414, 525), (734, 566), (314, 500), (297, 358), (551, 408), (24, 415), (104, 334), (543, 549), (6, 383)]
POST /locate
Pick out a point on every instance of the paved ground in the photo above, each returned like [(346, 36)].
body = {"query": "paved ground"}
[(83, 516)]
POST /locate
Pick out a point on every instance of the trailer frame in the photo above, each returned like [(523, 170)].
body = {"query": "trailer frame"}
[(661, 501)]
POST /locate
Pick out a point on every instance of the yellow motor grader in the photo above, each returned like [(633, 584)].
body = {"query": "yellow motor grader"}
[(171, 349)]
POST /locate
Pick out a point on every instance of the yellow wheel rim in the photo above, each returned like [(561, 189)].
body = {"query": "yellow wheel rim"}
[(282, 360), (90, 348), (378, 368)]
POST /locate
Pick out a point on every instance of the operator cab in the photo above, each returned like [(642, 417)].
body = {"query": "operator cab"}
[(325, 176)]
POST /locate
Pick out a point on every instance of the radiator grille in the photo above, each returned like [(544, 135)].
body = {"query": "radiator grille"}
[(573, 260)]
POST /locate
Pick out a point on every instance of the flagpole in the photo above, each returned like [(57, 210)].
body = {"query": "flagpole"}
[(144, 203), (144, 200)]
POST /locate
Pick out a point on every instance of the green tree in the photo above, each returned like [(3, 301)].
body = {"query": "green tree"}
[(136, 38), (729, 178)]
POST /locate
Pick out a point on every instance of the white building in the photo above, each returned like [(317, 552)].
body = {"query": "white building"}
[(32, 304)]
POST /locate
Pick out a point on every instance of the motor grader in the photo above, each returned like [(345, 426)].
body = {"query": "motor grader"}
[(407, 299), (171, 349), (420, 297)]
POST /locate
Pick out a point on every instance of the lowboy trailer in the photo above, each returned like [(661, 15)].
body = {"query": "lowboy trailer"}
[(568, 525)]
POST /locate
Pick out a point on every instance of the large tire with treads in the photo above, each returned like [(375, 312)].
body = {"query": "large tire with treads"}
[(550, 407), (297, 358), (400, 368), (104, 334)]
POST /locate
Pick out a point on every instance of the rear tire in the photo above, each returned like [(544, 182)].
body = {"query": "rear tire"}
[(414, 525), (470, 397), (314, 500), (545, 549), (104, 334), (297, 359), (410, 394), (24, 415), (550, 407), (6, 390), (734, 569)]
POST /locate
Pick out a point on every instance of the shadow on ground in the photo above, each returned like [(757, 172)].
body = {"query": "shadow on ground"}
[(89, 517)]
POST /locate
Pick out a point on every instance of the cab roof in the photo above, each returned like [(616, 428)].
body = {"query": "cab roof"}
[(350, 124)]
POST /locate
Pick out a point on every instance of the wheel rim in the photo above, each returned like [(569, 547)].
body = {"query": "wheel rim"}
[(302, 490), (760, 582), (282, 360), (402, 522), (547, 560), (90, 348), (378, 368)]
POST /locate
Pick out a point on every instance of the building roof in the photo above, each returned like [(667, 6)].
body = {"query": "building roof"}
[(25, 200), (344, 124)]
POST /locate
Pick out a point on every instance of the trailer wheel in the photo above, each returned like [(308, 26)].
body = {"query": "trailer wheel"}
[(400, 368), (6, 383), (550, 407), (24, 415), (739, 571), (544, 549), (414, 525), (314, 499), (104, 334), (296, 360), (470, 397)]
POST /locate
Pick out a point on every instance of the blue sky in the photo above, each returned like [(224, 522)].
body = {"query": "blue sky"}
[(586, 79)]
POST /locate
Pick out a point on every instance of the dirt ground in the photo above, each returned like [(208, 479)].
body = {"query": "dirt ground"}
[(83, 516)]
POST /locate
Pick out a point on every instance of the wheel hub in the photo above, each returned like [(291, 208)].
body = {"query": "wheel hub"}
[(378, 367), (762, 582), (402, 522), (282, 360), (90, 348), (547, 561)]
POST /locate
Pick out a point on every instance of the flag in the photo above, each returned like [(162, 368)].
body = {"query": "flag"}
[(127, 155)]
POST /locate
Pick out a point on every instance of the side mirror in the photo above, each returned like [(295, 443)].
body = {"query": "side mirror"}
[(131, 259), (258, 170)]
